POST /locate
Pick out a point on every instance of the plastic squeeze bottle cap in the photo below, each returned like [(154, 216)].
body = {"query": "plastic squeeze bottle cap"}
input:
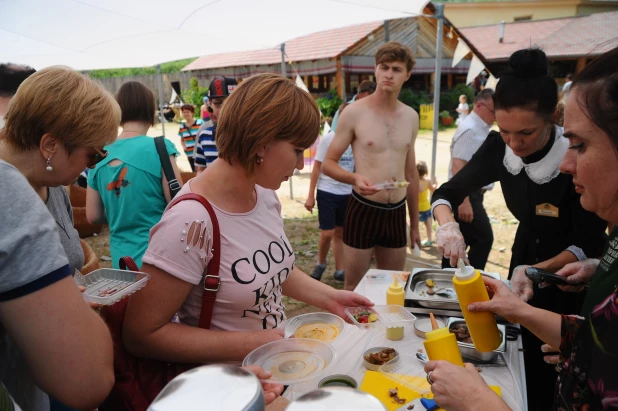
[(395, 286), (464, 272)]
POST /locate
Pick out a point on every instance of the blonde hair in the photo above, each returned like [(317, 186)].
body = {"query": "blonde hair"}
[(64, 103), (262, 109), (421, 166), (395, 52)]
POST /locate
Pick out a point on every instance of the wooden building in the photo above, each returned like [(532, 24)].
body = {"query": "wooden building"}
[(341, 58)]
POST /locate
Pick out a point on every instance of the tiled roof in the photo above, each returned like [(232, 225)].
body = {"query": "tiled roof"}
[(324, 44), (566, 37)]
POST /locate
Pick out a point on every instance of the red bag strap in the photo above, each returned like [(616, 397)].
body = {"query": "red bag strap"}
[(127, 263), (212, 282)]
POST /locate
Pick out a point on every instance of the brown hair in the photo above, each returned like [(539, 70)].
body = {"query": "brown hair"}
[(64, 103), (395, 52), (421, 166), (367, 86), (187, 107), (262, 109), (597, 84), (137, 103)]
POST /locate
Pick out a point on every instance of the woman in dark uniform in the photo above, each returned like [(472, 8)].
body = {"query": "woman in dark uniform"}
[(554, 229)]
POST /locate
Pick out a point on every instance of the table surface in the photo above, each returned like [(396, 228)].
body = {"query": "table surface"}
[(353, 342)]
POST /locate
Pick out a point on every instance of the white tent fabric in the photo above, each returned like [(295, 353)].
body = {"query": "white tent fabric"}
[(461, 51), (96, 34), (476, 66)]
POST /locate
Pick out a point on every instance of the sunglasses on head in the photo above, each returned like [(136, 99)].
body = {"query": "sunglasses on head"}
[(97, 157)]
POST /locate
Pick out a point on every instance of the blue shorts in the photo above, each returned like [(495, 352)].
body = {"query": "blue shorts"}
[(331, 209), (424, 216)]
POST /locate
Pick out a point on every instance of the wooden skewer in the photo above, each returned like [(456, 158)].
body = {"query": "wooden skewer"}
[(434, 323)]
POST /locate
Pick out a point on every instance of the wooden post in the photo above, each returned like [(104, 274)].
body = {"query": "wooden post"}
[(340, 79), (581, 63), (449, 79)]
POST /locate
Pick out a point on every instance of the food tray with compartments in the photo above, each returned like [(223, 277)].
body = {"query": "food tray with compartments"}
[(107, 286)]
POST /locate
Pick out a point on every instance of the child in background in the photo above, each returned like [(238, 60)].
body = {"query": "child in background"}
[(463, 109), (426, 188)]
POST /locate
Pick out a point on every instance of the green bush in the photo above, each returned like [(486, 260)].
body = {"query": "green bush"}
[(449, 100), (195, 95), (413, 99), (329, 104), (445, 114)]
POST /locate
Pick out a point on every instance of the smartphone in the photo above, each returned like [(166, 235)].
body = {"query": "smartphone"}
[(541, 276)]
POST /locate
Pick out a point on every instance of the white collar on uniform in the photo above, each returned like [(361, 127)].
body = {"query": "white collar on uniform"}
[(544, 170)]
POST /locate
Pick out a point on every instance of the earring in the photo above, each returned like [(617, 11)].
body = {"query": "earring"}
[(260, 160), (49, 167)]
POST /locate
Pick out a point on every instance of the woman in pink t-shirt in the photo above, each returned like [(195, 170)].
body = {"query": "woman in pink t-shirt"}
[(265, 126)]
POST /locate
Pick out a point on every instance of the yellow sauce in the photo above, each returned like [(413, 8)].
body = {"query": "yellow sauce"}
[(324, 332), (394, 333)]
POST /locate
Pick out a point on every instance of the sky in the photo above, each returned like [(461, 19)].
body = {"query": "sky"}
[(97, 34)]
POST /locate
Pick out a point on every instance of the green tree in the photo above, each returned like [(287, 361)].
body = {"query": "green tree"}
[(194, 95), (413, 99), (166, 68), (329, 104)]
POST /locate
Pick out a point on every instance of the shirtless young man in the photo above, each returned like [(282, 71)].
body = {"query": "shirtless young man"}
[(382, 132)]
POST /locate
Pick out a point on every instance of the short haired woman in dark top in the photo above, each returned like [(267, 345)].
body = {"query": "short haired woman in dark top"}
[(554, 229)]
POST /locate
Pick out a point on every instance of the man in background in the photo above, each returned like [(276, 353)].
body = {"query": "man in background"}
[(206, 147), (471, 215), (365, 88)]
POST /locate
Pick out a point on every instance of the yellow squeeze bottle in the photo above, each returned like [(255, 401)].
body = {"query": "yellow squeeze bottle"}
[(482, 326), (395, 294), (441, 344)]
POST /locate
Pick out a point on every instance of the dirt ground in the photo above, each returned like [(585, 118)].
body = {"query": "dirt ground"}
[(302, 227)]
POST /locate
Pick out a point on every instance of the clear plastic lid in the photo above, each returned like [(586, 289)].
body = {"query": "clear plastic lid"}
[(293, 360)]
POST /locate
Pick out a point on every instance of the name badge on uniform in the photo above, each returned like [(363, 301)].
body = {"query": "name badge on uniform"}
[(547, 210)]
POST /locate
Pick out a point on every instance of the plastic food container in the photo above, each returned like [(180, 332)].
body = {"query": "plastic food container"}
[(351, 312), (107, 286), (374, 367), (388, 316), (293, 324), (408, 371), (293, 360)]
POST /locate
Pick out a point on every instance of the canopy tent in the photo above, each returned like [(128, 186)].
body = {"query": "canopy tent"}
[(98, 34)]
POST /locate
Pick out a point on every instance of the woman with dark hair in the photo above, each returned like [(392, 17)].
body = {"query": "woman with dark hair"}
[(554, 229), (588, 346), (128, 189)]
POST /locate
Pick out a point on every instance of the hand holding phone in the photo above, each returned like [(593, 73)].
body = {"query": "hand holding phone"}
[(539, 276)]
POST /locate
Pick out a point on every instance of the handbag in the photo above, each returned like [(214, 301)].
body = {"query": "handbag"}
[(166, 164), (139, 380)]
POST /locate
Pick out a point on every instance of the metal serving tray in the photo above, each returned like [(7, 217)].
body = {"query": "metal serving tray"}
[(416, 289), (468, 350)]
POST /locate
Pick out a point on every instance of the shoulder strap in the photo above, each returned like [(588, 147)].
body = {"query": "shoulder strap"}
[(212, 282), (173, 184)]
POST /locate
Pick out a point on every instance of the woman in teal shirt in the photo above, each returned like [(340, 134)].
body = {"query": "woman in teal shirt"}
[(128, 189)]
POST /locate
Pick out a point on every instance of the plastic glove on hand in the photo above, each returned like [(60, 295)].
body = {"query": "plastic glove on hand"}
[(450, 242)]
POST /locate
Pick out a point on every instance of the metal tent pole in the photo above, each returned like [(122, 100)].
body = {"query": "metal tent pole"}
[(284, 74), (436, 88), (160, 87)]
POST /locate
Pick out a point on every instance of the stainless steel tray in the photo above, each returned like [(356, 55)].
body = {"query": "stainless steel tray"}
[(416, 289), (468, 350)]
